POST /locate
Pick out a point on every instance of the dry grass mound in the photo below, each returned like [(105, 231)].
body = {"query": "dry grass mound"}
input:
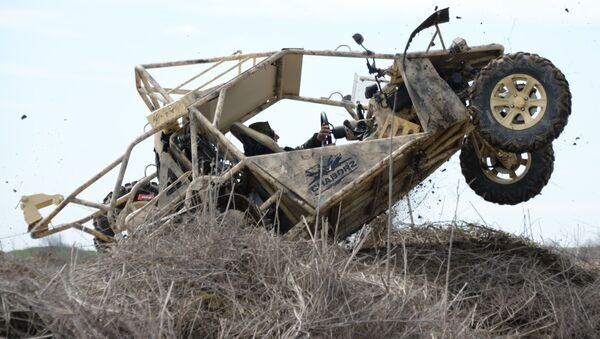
[(509, 285), (210, 277)]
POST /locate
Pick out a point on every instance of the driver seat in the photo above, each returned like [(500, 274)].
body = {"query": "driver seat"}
[(255, 143)]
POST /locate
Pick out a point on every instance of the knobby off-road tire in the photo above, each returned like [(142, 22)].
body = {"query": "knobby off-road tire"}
[(495, 183), (520, 102), (101, 223)]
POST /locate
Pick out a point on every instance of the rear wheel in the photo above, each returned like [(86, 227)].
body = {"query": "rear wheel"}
[(506, 178), (520, 102), (101, 223)]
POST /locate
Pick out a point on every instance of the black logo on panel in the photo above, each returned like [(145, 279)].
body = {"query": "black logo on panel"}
[(335, 168)]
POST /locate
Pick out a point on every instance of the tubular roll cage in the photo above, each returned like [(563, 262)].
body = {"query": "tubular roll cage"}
[(159, 100)]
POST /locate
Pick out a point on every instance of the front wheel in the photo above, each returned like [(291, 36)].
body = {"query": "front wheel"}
[(520, 102), (502, 177)]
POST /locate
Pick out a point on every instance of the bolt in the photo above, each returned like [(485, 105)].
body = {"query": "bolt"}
[(515, 95), (522, 108), (512, 106), (526, 98)]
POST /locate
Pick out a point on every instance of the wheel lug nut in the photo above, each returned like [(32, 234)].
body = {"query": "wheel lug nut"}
[(512, 106), (522, 108)]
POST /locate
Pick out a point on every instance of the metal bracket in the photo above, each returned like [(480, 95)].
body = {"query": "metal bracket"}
[(30, 204)]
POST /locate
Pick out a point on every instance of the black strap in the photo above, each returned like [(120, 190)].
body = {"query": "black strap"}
[(438, 17)]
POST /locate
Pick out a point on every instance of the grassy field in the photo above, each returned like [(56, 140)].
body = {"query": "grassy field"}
[(54, 256)]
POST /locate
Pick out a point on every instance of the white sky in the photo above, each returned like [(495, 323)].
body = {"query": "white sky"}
[(68, 65)]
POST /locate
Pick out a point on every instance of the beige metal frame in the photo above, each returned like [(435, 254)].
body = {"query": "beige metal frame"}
[(278, 75)]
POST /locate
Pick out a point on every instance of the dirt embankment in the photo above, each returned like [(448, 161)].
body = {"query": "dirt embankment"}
[(207, 278)]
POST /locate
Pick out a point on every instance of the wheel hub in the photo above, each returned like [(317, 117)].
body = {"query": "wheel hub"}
[(508, 160), (504, 168), (518, 101)]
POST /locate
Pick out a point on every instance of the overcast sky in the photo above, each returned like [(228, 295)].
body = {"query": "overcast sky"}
[(68, 66)]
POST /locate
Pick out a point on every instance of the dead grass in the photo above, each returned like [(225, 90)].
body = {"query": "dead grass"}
[(510, 285), (208, 277)]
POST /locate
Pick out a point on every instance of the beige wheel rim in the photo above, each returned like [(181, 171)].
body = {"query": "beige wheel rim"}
[(496, 170), (518, 101)]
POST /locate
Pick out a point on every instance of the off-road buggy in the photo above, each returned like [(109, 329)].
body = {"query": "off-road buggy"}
[(501, 111)]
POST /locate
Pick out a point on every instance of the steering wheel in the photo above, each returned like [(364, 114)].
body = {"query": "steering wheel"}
[(324, 121)]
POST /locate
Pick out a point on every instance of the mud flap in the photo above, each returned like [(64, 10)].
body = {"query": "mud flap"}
[(436, 104)]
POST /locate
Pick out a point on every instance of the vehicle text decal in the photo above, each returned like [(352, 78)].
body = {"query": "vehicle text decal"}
[(335, 168), (145, 197)]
